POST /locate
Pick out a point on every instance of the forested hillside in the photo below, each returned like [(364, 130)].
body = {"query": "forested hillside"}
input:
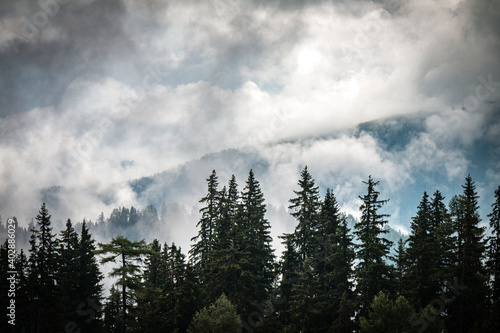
[(336, 274)]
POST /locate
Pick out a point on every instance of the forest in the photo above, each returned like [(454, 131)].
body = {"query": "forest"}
[(330, 278)]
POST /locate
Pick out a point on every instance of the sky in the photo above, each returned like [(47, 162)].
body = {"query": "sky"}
[(94, 93)]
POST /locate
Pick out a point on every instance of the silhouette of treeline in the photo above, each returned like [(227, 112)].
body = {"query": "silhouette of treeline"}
[(331, 277)]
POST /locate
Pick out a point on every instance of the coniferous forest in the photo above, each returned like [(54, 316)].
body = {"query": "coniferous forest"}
[(330, 278)]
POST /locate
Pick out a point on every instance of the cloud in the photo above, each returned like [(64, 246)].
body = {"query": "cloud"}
[(107, 91)]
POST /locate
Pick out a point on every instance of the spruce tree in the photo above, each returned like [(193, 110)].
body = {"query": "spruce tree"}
[(113, 320), (148, 313), (67, 275), (466, 312), (200, 251), (253, 242), (494, 261), (130, 256), (289, 278), (89, 287), (224, 269), (401, 268), (422, 285), (305, 207), (444, 249), (42, 274), (332, 264), (373, 273)]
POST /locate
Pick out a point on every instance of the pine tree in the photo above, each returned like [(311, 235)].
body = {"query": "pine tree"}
[(305, 208), (113, 320), (130, 255), (253, 242), (67, 275), (401, 268), (373, 274), (42, 274), (89, 287), (289, 278), (342, 271), (183, 292), (444, 249), (223, 271), (422, 285), (466, 313), (148, 313), (494, 261), (22, 293), (200, 251), (332, 265)]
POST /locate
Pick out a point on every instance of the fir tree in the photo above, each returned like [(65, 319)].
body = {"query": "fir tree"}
[(89, 287), (254, 242), (200, 251), (305, 208), (130, 255), (42, 274), (444, 249), (466, 313), (67, 275), (494, 260), (422, 286), (373, 274), (401, 269)]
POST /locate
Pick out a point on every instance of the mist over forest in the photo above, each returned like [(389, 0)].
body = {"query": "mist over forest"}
[(232, 165)]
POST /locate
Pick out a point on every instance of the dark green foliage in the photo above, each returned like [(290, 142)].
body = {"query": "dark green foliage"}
[(130, 256), (373, 274), (219, 317), (401, 269), (305, 208), (113, 314), (444, 251), (68, 274), (43, 266), (444, 274), (422, 285), (494, 253), (200, 251), (466, 313), (253, 242), (389, 316)]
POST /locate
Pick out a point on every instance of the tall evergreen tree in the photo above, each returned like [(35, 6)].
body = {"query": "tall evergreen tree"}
[(305, 207), (422, 284), (289, 277), (42, 274), (112, 312), (148, 312), (466, 313), (253, 242), (401, 268), (373, 273), (444, 249), (200, 251), (494, 260), (89, 287), (130, 255), (332, 265), (67, 275), (224, 268)]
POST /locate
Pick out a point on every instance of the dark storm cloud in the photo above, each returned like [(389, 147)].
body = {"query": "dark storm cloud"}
[(153, 84), (50, 44)]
